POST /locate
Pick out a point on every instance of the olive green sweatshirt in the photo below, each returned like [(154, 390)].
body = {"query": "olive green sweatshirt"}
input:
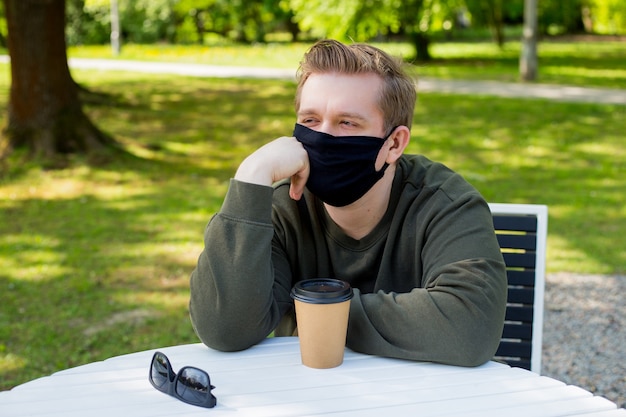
[(429, 280)]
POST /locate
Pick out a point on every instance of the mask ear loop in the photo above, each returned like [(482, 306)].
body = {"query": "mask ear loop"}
[(386, 165), (386, 138), (391, 132)]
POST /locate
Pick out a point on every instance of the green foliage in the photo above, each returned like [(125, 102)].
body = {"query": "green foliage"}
[(608, 16), (362, 20), (184, 21), (248, 21), (196, 17), (87, 22), (147, 21), (575, 16), (342, 19), (560, 17), (142, 21), (481, 11)]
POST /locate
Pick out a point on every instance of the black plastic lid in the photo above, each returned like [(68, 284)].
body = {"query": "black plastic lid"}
[(322, 291)]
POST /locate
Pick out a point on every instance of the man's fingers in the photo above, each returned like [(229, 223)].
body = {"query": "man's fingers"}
[(298, 181)]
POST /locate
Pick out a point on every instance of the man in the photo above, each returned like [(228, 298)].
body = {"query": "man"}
[(340, 200)]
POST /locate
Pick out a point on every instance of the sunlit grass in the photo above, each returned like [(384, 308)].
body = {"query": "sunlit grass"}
[(270, 55), (11, 362), (603, 74)]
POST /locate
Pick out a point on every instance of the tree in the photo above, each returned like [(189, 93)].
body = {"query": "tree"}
[(115, 29), (415, 21), (528, 56), (360, 20), (564, 16), (45, 113), (605, 16), (492, 14)]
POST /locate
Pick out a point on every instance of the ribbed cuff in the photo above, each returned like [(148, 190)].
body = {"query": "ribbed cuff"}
[(248, 201)]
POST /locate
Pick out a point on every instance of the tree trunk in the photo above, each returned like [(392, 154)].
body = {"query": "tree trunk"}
[(496, 20), (292, 27), (528, 63), (421, 42), (116, 31), (45, 114)]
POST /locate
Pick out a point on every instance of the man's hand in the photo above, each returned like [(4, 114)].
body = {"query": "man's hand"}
[(282, 158)]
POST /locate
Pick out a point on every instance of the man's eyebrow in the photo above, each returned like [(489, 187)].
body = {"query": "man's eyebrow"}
[(349, 115), (352, 116), (305, 112)]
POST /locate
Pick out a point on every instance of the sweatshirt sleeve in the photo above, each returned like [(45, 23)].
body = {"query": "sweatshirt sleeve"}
[(234, 300), (456, 315)]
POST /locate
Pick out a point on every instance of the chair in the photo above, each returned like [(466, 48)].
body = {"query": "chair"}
[(521, 230)]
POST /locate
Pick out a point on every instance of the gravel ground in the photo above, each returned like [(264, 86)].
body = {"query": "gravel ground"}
[(584, 333)]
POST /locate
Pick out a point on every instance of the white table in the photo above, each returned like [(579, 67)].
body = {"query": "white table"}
[(269, 380)]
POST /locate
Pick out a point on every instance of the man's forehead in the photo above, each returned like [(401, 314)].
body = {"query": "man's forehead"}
[(350, 91)]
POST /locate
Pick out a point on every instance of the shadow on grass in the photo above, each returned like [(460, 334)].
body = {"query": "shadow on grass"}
[(88, 277), (95, 260)]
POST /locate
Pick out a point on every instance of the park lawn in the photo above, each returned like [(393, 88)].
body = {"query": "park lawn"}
[(95, 259), (588, 63)]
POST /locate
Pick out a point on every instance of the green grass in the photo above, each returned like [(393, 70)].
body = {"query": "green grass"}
[(587, 64), (581, 63), (95, 260)]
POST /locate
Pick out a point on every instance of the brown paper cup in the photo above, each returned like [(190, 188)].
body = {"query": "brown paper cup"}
[(322, 309)]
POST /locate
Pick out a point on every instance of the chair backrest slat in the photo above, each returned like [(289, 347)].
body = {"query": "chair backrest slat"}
[(522, 314), (516, 349), (515, 221), (523, 295), (522, 331), (520, 260), (521, 277), (513, 241), (521, 230)]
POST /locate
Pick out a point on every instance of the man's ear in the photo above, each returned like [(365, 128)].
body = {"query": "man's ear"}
[(397, 143)]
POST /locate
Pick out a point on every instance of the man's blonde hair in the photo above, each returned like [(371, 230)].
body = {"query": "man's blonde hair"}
[(398, 95)]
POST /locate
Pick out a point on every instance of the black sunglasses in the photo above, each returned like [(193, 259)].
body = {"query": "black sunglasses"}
[(191, 385)]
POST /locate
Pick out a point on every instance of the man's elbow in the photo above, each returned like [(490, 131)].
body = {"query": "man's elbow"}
[(478, 355), (224, 343), (225, 340), (480, 346), (222, 335)]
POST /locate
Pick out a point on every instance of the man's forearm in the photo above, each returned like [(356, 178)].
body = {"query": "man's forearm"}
[(232, 305)]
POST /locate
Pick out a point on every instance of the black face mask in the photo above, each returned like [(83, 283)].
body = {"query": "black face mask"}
[(342, 168)]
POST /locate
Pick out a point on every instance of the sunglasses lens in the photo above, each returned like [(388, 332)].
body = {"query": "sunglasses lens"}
[(160, 371), (193, 385)]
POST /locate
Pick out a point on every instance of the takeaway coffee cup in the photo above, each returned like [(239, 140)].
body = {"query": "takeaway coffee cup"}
[(322, 307)]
